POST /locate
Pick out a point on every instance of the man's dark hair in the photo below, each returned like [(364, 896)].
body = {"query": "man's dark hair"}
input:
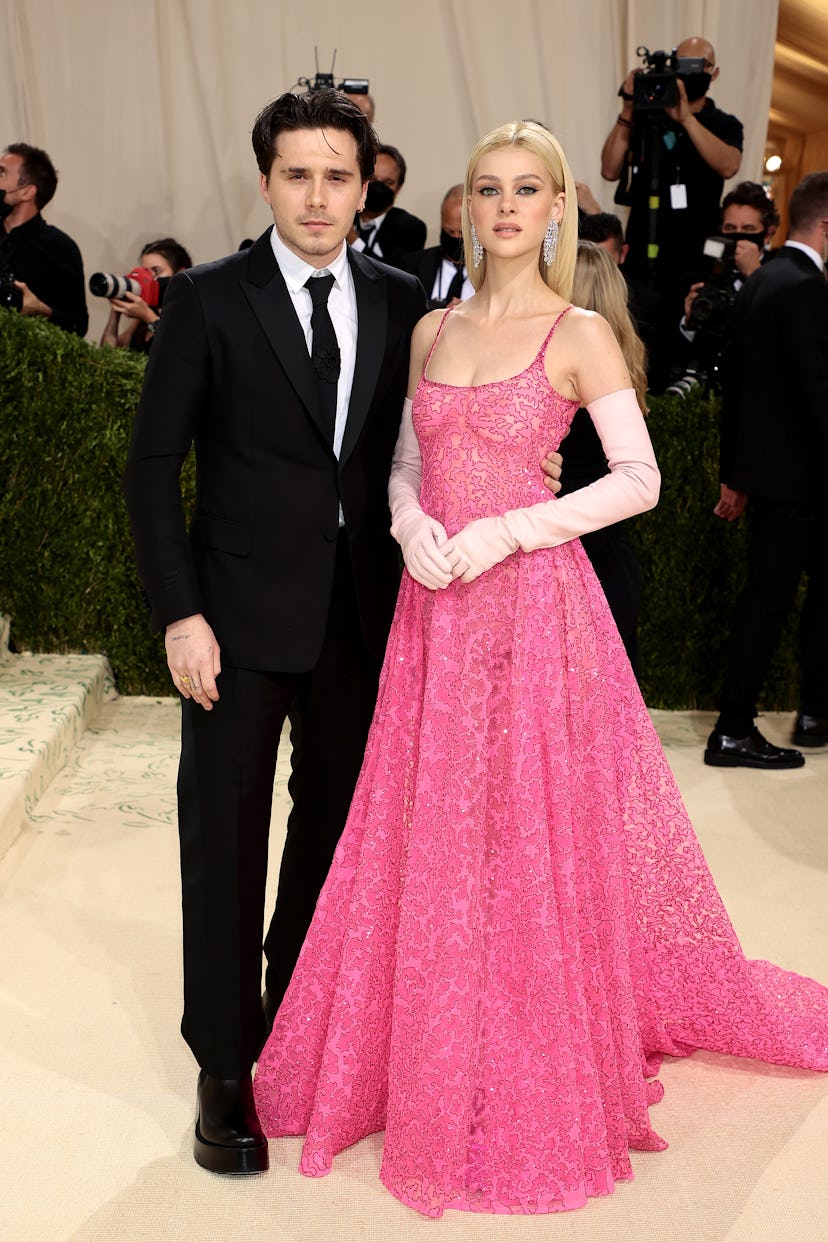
[(175, 254), (601, 227), (751, 194), (809, 201), (396, 155), (325, 109), (37, 170)]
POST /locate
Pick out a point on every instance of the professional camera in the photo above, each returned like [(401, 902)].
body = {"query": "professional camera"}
[(10, 296), (325, 81), (713, 304), (140, 281), (656, 87)]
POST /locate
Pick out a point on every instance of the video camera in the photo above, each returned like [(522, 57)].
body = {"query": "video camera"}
[(140, 281), (325, 81), (656, 87)]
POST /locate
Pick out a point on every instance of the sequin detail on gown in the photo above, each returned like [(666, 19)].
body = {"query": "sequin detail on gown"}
[(519, 920)]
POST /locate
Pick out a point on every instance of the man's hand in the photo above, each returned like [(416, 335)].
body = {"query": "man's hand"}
[(731, 504), (193, 659), (690, 299), (32, 304), (586, 199), (551, 467), (133, 306), (747, 257)]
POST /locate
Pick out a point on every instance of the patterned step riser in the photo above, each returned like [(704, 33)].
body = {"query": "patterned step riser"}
[(46, 702)]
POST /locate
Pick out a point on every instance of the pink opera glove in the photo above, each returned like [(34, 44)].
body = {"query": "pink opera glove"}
[(631, 487), (419, 536)]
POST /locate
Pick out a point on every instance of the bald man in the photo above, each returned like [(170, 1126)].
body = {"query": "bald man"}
[(441, 269), (694, 147)]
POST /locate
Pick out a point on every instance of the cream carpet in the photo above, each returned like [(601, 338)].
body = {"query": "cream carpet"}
[(97, 1088)]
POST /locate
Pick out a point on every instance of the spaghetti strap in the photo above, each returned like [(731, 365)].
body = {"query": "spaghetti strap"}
[(542, 351), (446, 314)]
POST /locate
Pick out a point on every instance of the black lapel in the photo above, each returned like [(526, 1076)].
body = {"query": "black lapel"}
[(267, 293), (371, 290)]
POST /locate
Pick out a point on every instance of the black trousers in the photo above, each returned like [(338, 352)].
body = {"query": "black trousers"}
[(785, 540), (225, 789)]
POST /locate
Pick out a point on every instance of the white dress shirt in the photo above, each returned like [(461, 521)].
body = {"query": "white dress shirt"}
[(370, 243), (341, 307), (446, 273)]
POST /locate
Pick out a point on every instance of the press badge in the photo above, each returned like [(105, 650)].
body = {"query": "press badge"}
[(678, 197)]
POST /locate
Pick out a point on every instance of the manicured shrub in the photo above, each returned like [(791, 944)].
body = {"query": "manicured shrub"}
[(67, 573)]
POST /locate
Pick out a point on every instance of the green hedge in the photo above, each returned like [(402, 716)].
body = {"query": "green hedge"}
[(67, 574)]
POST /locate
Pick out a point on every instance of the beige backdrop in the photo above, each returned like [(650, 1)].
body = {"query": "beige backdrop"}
[(146, 105)]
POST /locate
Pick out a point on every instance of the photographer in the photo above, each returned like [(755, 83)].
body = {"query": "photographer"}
[(163, 259), (688, 150), (41, 269), (749, 221)]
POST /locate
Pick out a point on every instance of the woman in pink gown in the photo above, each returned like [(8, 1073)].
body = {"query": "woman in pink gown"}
[(519, 921)]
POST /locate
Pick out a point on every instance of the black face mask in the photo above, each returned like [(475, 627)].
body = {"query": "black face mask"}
[(378, 198), (452, 247), (758, 239), (696, 85)]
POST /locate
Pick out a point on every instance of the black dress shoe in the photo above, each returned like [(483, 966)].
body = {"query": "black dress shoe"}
[(228, 1137), (810, 730), (753, 751)]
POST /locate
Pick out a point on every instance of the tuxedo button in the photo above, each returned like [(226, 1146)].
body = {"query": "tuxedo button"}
[(331, 534)]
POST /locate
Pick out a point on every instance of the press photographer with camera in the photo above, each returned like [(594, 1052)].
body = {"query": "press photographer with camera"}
[(159, 262), (41, 269), (749, 221), (671, 143)]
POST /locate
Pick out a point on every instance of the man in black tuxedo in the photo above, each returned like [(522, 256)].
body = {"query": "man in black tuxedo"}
[(441, 270), (286, 365), (774, 448), (382, 230)]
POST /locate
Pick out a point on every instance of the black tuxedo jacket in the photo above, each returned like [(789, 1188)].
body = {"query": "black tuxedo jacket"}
[(399, 235), (775, 407), (230, 372)]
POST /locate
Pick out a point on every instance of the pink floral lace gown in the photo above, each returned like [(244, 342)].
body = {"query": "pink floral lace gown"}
[(519, 920)]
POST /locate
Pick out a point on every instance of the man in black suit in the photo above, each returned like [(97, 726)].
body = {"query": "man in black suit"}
[(441, 270), (774, 448), (382, 230), (286, 365)]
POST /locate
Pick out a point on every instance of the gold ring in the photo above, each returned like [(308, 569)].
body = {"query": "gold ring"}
[(184, 679)]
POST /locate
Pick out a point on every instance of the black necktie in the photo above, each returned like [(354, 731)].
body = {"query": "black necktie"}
[(324, 349), (455, 289), (367, 232)]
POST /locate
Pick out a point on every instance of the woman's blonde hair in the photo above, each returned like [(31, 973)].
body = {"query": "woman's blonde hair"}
[(599, 286), (535, 138)]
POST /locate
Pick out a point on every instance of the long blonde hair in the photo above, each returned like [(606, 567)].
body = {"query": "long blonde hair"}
[(537, 139), (599, 286)]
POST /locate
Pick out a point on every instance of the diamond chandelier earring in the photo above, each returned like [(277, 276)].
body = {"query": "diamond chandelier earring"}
[(550, 243), (477, 248)]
